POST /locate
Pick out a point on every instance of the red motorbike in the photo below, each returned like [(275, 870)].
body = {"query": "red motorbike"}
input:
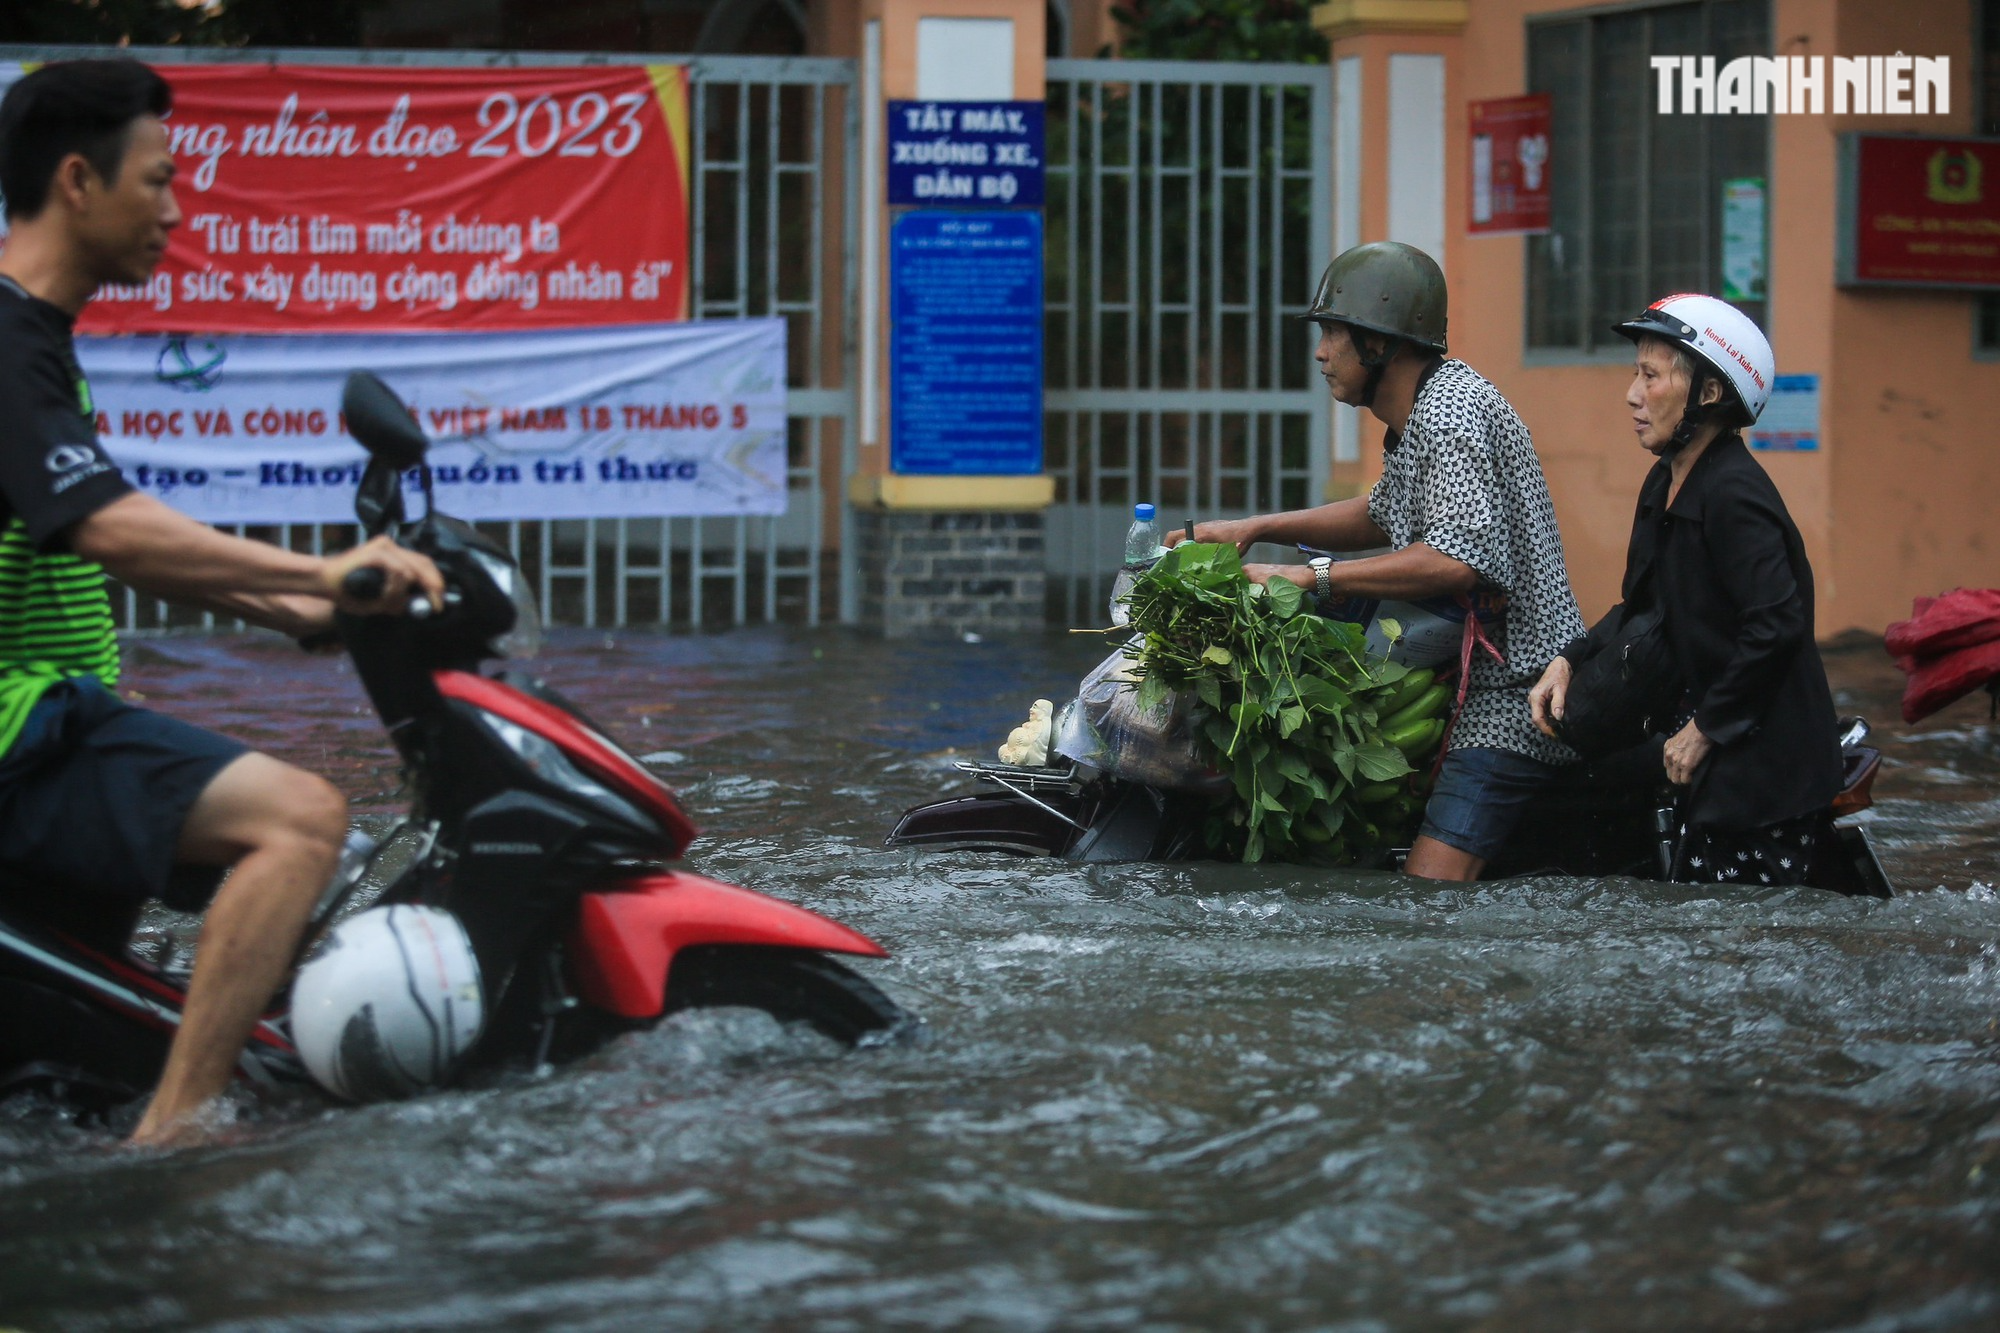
[(555, 849)]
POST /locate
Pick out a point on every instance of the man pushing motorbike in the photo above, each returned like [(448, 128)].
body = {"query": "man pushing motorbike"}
[(1463, 506), (99, 800)]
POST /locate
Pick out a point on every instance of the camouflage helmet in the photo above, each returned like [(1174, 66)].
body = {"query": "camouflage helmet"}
[(1386, 287)]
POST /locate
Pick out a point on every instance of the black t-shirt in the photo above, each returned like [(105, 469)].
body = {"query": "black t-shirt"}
[(53, 472), (55, 618)]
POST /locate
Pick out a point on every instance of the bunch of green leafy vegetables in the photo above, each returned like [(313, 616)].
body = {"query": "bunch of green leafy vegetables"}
[(1291, 706)]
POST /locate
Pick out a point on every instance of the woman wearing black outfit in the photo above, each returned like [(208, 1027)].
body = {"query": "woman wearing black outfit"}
[(1714, 548)]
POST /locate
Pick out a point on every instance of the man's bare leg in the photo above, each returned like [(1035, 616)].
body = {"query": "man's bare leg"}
[(1431, 859), (282, 828)]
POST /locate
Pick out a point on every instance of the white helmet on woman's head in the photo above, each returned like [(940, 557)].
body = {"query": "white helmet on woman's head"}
[(1721, 336), (387, 1003)]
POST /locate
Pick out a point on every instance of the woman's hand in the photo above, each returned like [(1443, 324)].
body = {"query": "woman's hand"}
[(1685, 752), (1241, 533), (1549, 697)]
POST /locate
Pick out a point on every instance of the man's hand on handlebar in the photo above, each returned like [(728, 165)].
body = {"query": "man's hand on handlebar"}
[(1266, 574), (380, 578), (1239, 532)]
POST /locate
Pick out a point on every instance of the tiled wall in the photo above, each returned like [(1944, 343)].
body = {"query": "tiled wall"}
[(925, 571)]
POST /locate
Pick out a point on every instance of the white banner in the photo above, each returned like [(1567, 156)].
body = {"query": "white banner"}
[(635, 421)]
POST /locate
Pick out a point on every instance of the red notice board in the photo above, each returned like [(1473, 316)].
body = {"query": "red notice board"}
[(374, 199), (1919, 211), (1509, 161)]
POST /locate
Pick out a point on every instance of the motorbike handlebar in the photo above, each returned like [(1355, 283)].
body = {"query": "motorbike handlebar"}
[(366, 584)]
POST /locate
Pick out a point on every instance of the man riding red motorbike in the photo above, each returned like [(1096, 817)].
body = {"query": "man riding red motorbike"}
[(98, 797)]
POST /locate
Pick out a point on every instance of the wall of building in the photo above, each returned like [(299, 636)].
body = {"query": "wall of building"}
[(1897, 501), (1894, 504), (1915, 467), (1575, 411)]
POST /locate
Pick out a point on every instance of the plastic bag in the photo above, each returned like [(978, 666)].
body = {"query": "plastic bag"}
[(1105, 728)]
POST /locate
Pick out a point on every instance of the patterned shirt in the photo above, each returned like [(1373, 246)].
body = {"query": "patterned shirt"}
[(1464, 480)]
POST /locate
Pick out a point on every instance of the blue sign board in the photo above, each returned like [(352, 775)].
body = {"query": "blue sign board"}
[(965, 154), (1790, 420), (965, 343)]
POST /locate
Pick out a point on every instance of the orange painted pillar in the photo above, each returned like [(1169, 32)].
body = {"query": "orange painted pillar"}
[(950, 553)]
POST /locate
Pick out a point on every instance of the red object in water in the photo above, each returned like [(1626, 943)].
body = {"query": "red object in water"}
[(626, 938), (1949, 647), (1959, 619)]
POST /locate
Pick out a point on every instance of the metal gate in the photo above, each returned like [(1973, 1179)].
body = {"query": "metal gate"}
[(1189, 206), (773, 222)]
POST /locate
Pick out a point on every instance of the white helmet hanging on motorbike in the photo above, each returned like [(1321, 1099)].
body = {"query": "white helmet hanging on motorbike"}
[(1723, 337), (387, 1003)]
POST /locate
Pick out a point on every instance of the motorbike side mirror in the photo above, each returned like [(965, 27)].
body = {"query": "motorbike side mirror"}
[(377, 418), (378, 501)]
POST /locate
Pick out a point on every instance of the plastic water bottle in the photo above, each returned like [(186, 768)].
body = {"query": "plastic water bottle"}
[(1142, 548)]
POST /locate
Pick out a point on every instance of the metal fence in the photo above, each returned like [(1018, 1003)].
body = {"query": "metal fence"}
[(1187, 209), (1188, 206), (773, 222)]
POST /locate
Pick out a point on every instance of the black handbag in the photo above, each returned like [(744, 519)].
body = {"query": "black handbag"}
[(1626, 691)]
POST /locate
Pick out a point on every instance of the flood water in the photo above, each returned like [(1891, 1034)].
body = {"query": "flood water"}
[(1162, 1097)]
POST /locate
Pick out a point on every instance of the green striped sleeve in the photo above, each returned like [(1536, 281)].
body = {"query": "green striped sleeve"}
[(55, 622)]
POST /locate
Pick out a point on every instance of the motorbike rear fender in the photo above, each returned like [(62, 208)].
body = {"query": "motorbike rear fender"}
[(625, 938), (1860, 764)]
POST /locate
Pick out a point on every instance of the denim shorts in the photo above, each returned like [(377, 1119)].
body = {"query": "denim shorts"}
[(93, 794), (1479, 797)]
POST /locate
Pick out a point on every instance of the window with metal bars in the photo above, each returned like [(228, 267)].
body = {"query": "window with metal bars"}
[(1636, 206)]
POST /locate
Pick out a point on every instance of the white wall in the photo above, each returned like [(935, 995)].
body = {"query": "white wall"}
[(1416, 153), (965, 60), (1346, 217)]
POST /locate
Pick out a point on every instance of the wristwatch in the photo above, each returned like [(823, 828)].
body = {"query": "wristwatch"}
[(1322, 581)]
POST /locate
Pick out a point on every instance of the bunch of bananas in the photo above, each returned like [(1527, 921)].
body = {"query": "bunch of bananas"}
[(1414, 716)]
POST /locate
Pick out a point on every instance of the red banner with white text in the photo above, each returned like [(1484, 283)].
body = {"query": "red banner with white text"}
[(370, 199)]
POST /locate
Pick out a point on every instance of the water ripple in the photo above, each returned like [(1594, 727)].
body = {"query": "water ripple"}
[(1160, 1097)]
